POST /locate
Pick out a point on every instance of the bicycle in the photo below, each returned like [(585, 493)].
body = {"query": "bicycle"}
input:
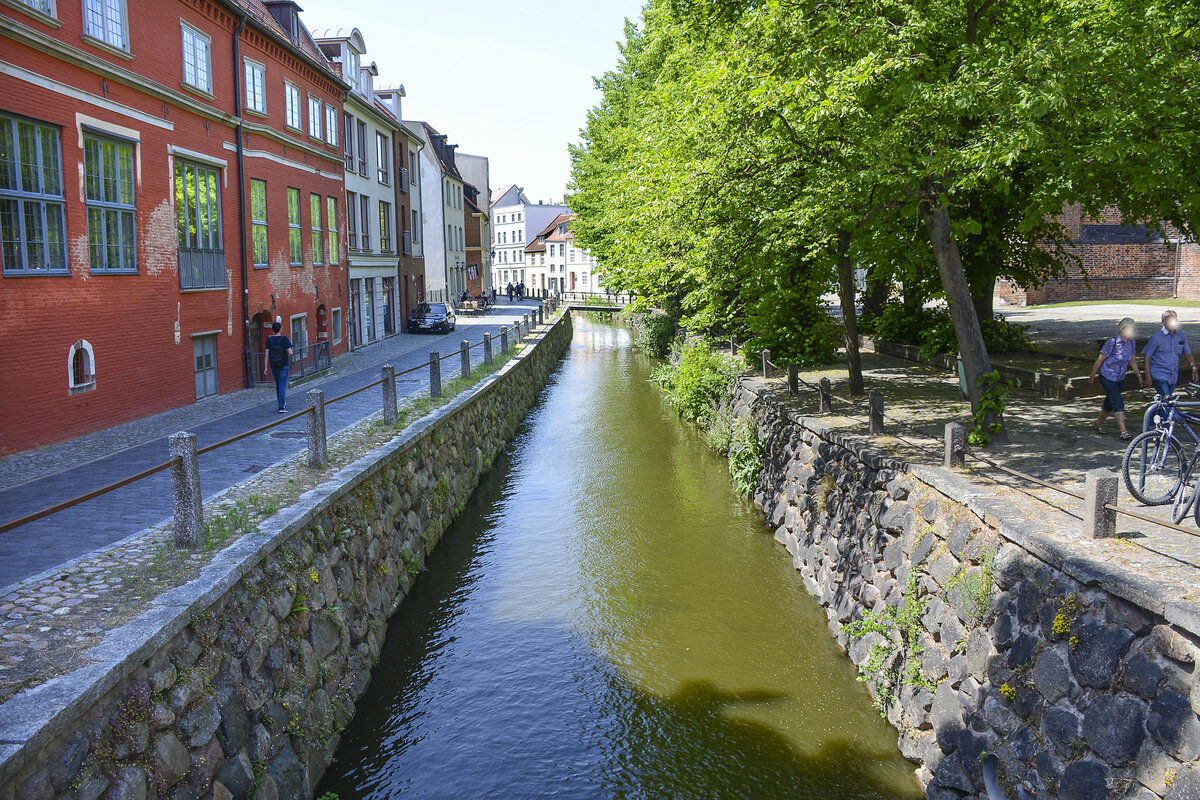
[(1155, 465)]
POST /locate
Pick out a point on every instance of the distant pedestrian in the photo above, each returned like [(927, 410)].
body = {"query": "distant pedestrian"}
[(1162, 354), (508, 290), (1115, 359), (521, 290), (279, 357)]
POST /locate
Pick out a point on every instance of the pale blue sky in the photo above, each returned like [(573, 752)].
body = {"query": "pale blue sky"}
[(511, 81)]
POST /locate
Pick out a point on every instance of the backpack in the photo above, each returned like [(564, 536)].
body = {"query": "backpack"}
[(277, 351)]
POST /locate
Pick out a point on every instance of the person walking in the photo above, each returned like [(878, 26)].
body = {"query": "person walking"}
[(508, 290), (1162, 354), (279, 357), (1116, 357)]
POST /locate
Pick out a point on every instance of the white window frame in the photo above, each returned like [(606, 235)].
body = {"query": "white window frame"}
[(89, 381), (292, 330), (314, 120), (197, 37), (335, 325), (101, 37), (331, 125), (259, 87), (50, 9), (290, 91)]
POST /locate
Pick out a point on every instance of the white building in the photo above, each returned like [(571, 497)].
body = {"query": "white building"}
[(371, 238), (557, 265), (515, 223), (443, 223)]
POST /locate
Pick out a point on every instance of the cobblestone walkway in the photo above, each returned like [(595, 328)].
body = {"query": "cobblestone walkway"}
[(51, 475)]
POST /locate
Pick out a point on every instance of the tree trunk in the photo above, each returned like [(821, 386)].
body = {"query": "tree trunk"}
[(983, 297), (849, 318), (958, 296), (876, 294)]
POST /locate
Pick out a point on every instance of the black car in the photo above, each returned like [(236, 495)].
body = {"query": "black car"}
[(433, 317)]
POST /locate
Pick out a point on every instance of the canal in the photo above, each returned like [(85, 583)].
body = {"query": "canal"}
[(608, 619)]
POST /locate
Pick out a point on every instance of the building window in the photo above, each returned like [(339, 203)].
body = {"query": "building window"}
[(416, 226), (299, 335), (198, 216), (105, 21), (256, 87), (348, 139), (108, 179), (295, 246), (291, 98), (335, 325), (197, 69), (314, 117), (258, 223), (352, 220), (81, 367), (365, 219), (362, 148), (44, 6), (352, 70), (332, 226), (318, 240), (383, 159), (32, 226), (385, 227), (331, 125)]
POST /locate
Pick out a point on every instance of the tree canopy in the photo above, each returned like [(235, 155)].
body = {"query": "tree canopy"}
[(747, 157)]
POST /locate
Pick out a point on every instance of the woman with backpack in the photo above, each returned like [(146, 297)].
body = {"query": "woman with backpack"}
[(1115, 359)]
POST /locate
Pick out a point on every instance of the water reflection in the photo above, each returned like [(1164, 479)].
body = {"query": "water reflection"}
[(607, 619)]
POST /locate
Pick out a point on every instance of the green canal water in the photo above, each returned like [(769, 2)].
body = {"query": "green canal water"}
[(607, 619)]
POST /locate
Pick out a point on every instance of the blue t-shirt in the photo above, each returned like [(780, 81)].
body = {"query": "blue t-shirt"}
[(1164, 351), (1118, 353)]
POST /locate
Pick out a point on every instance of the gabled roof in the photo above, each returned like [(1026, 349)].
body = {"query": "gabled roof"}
[(430, 135), (512, 188), (304, 43), (551, 232), (535, 247)]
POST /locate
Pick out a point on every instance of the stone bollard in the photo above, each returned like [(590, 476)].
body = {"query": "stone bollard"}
[(186, 500), (1100, 489), (390, 415), (732, 346), (825, 395), (956, 446), (318, 452), (487, 349), (435, 374), (875, 400), (793, 379), (525, 329), (464, 357), (503, 340), (766, 355)]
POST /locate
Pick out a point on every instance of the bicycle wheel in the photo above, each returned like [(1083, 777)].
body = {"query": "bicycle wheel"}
[(1185, 499), (1153, 468)]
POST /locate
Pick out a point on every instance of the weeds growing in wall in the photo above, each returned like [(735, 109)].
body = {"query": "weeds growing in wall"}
[(745, 457)]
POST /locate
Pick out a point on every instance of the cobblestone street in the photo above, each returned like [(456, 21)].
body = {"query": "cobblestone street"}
[(32, 481)]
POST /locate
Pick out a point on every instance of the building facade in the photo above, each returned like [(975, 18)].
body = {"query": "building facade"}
[(442, 219), (368, 145), (515, 224), (476, 172), (168, 188), (557, 265), (408, 204)]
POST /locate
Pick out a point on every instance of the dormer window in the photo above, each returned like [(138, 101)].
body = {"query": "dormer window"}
[(351, 71)]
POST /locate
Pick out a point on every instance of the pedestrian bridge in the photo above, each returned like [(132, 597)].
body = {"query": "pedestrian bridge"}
[(600, 302)]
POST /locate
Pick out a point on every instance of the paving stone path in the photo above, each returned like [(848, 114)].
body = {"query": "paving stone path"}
[(106, 457)]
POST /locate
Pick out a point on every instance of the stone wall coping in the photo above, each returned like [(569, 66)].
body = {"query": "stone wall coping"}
[(33, 718), (1053, 537)]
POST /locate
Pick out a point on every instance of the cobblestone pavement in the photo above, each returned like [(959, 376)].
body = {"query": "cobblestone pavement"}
[(1051, 440), (103, 458)]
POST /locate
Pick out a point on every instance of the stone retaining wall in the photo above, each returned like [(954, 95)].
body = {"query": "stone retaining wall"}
[(238, 683), (1015, 642)]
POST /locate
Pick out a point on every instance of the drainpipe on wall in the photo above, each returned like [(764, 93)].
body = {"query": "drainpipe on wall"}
[(1178, 247), (241, 190)]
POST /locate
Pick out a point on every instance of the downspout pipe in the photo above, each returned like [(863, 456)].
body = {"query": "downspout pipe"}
[(241, 192)]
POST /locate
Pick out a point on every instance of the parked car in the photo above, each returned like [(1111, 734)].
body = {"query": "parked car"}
[(432, 317)]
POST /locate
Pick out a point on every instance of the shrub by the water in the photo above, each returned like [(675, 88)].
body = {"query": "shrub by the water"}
[(696, 379), (654, 333)]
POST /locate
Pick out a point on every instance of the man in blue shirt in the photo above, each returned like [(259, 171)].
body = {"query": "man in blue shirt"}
[(1162, 354)]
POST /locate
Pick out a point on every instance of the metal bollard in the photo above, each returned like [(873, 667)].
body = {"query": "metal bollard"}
[(503, 340), (464, 356), (318, 452), (956, 446), (487, 349), (766, 363), (825, 395), (390, 415), (793, 379), (1100, 489), (876, 403), (186, 499), (435, 374)]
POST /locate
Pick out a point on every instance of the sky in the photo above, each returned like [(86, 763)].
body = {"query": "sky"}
[(510, 81)]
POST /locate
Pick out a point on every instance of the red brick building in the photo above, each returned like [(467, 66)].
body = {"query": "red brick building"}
[(170, 183), (1116, 262), (478, 240)]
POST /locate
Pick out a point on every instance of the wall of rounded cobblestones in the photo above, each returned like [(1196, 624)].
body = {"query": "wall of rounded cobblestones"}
[(239, 683), (972, 639)]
